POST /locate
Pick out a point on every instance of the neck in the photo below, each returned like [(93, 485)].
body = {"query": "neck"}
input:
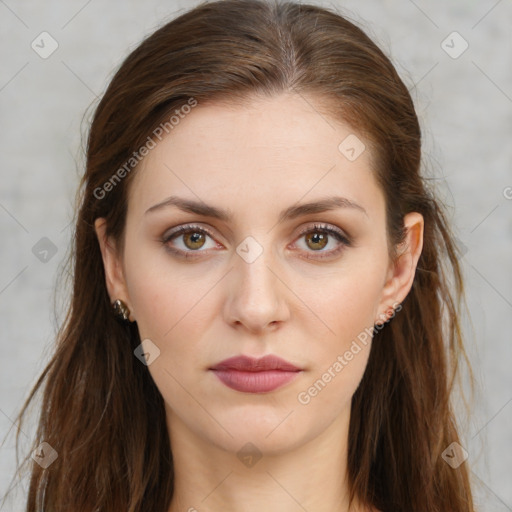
[(245, 476)]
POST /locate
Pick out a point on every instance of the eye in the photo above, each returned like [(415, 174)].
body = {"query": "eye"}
[(194, 239), (318, 237)]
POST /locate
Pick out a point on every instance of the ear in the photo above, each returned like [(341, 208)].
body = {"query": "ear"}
[(112, 263), (401, 272)]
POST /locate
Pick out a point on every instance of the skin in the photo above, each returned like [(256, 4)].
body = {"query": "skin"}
[(257, 160)]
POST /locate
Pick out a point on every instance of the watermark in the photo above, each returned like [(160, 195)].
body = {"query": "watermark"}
[(44, 250), (351, 147), (169, 125), (304, 397), (44, 455), (147, 352), (44, 45), (454, 455), (507, 192), (454, 45), (249, 455), (249, 249)]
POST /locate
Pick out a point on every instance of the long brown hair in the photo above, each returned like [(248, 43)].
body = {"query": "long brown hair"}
[(101, 411)]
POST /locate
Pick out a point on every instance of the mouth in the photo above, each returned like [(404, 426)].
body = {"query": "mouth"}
[(250, 375)]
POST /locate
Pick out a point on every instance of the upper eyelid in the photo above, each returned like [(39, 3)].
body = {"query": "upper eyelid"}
[(178, 230)]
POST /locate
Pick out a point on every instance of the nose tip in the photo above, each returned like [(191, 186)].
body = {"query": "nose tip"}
[(256, 299)]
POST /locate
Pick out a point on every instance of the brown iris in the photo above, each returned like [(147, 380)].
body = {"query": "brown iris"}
[(316, 238), (195, 238)]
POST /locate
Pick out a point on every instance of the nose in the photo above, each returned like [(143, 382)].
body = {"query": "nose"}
[(257, 294)]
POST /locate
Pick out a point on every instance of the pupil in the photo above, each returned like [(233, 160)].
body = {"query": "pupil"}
[(318, 238), (194, 238)]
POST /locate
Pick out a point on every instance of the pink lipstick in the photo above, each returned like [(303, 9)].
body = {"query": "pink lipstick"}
[(250, 375)]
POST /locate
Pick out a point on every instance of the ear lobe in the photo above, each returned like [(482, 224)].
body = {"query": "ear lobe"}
[(114, 277), (402, 271)]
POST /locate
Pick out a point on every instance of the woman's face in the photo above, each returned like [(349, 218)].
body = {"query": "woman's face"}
[(262, 279)]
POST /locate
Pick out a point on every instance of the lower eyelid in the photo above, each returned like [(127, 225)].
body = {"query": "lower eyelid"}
[(167, 239), (343, 240)]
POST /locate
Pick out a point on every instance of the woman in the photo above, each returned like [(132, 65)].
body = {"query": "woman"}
[(261, 277)]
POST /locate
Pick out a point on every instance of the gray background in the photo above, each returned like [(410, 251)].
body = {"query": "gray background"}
[(465, 107)]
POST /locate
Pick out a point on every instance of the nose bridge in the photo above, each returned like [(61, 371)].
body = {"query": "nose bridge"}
[(252, 267), (255, 289)]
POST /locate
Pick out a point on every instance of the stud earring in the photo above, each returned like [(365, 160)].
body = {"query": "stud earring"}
[(385, 317), (121, 310)]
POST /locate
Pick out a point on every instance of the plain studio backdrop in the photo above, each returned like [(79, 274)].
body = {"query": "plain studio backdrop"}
[(58, 57)]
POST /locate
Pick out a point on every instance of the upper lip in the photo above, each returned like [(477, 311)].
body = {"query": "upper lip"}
[(251, 364)]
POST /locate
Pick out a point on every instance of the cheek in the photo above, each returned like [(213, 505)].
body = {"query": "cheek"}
[(164, 307), (163, 298), (339, 358), (349, 303)]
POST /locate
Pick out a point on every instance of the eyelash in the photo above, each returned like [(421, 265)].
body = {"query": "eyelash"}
[(344, 240)]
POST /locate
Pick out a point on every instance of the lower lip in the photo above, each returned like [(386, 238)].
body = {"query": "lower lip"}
[(255, 382)]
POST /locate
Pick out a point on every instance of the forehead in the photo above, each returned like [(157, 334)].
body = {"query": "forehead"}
[(280, 127), (280, 147)]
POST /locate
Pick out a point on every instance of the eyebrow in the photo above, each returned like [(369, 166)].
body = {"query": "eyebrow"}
[(290, 213)]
